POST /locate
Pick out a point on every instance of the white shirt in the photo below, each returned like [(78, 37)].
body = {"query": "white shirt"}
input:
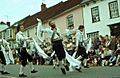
[(50, 32), (118, 46), (79, 37), (21, 39)]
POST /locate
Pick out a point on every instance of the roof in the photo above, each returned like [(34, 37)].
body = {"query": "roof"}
[(50, 12), (3, 27), (21, 21), (85, 1), (88, 1)]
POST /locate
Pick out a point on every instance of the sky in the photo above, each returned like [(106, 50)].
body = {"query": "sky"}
[(15, 10)]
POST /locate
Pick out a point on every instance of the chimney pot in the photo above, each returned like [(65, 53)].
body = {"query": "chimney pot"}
[(43, 7), (8, 23)]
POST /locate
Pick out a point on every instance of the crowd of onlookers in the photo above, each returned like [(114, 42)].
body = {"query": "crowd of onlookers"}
[(105, 51)]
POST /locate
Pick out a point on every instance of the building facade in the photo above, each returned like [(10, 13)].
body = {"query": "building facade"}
[(3, 26), (9, 35), (101, 17), (67, 15)]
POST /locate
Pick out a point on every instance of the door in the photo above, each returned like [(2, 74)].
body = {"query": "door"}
[(115, 29)]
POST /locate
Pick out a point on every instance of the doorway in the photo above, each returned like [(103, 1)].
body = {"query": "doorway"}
[(115, 29)]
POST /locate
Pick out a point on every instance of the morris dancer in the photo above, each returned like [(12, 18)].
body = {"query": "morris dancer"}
[(57, 45), (21, 40), (70, 48), (77, 65), (4, 56), (55, 60), (80, 46)]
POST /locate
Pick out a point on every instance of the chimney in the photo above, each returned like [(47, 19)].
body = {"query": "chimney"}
[(43, 7), (8, 23)]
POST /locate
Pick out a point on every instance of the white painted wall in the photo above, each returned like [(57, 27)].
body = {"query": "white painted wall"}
[(105, 20)]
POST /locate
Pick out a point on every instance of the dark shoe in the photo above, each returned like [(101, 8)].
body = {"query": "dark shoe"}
[(6, 73), (66, 67), (22, 75), (34, 71), (2, 72), (63, 71), (53, 67), (86, 67), (79, 70), (57, 65)]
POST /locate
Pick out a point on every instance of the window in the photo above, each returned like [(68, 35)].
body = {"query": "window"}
[(35, 30), (3, 35), (93, 34), (28, 34), (113, 7), (10, 33), (95, 14), (70, 22), (7, 34), (10, 44), (0, 35)]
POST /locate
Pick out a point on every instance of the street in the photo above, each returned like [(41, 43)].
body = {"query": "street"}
[(46, 71)]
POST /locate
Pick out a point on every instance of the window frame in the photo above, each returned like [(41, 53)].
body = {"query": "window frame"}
[(115, 9), (28, 33), (70, 26), (93, 34), (95, 16), (10, 33)]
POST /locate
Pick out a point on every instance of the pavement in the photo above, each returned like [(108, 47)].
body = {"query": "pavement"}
[(47, 71)]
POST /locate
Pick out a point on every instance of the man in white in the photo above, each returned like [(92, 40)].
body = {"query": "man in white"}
[(4, 56), (21, 40), (56, 40), (80, 46)]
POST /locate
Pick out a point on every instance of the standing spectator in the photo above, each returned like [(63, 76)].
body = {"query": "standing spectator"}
[(118, 52), (113, 45)]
